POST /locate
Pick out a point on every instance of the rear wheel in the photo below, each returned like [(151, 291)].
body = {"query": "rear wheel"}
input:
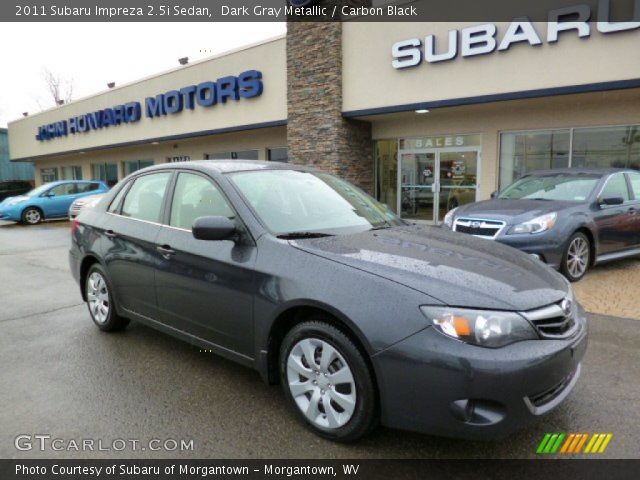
[(32, 216), (328, 382), (577, 257), (100, 301)]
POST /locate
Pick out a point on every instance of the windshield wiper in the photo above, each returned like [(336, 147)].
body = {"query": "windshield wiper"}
[(381, 227), (295, 235), (540, 198)]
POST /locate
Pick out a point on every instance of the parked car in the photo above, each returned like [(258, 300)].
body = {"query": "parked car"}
[(89, 201), (362, 317), (568, 218), (10, 188), (48, 201)]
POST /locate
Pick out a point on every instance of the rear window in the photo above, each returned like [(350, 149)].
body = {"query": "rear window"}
[(144, 199)]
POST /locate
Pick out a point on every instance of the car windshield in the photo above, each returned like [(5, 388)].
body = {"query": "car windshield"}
[(38, 190), (561, 186), (297, 202)]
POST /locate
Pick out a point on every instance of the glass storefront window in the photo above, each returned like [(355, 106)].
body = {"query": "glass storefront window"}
[(594, 147), (523, 152), (279, 154), (131, 166), (72, 173), (617, 147), (107, 172), (49, 174), (386, 161)]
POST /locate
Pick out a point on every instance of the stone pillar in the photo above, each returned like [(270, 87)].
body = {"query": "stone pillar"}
[(317, 134)]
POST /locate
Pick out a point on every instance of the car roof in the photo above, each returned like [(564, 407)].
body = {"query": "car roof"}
[(581, 171), (231, 166)]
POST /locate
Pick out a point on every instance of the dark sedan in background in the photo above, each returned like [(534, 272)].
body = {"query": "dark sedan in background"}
[(568, 218), (359, 315)]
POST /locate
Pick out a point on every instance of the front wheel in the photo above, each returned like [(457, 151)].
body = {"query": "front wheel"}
[(577, 257), (327, 381), (100, 301), (32, 216)]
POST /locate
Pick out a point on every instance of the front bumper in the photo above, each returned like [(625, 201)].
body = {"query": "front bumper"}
[(547, 245), (10, 214), (437, 385)]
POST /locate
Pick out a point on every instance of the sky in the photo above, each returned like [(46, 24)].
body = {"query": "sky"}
[(93, 54)]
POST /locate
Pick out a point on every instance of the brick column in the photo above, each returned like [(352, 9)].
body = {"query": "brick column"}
[(317, 134)]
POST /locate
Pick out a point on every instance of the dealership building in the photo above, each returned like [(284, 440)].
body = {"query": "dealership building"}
[(425, 116)]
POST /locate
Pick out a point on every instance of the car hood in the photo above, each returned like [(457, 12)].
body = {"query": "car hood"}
[(456, 269), (20, 198), (512, 211)]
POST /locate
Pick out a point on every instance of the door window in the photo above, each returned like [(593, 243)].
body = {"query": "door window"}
[(144, 199), (87, 187), (616, 187), (194, 197), (635, 184), (64, 189)]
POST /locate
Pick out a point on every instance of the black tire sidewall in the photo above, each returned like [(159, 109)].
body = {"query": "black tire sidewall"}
[(565, 256), (365, 413)]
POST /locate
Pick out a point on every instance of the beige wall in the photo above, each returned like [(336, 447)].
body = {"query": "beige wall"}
[(260, 140), (269, 58), (369, 80), (593, 109)]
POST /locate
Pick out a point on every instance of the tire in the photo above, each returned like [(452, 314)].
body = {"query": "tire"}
[(32, 216), (100, 301), (352, 386), (577, 257)]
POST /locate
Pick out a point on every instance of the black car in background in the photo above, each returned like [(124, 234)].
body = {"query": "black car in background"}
[(568, 218), (13, 188), (362, 317)]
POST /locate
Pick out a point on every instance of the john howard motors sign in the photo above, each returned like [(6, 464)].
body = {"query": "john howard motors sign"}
[(247, 84)]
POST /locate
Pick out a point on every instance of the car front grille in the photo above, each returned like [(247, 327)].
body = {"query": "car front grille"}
[(555, 321), (478, 227)]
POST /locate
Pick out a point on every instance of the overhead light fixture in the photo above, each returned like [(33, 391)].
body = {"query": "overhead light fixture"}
[(422, 110), (183, 60), (155, 143), (111, 84)]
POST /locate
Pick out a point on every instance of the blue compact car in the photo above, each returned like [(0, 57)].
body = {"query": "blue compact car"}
[(51, 200)]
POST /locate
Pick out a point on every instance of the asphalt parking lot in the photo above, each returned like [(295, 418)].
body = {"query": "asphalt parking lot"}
[(61, 376)]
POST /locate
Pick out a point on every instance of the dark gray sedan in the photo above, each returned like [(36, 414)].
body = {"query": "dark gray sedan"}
[(568, 218), (361, 317)]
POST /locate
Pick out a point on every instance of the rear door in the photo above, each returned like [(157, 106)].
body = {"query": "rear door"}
[(205, 287), (634, 209), (615, 223), (130, 249)]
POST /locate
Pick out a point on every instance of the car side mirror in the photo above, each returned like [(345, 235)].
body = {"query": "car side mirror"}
[(214, 228), (495, 194), (49, 194), (611, 201)]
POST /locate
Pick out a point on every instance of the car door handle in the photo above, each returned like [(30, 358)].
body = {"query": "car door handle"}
[(165, 251), (111, 234)]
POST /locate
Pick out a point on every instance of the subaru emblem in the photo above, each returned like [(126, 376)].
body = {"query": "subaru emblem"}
[(475, 224)]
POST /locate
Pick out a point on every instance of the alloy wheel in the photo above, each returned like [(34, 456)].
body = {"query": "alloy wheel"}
[(578, 257), (98, 297), (32, 216), (321, 383)]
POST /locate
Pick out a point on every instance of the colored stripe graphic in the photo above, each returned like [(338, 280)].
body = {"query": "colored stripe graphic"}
[(573, 443)]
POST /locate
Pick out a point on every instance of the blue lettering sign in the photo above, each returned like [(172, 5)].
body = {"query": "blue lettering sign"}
[(247, 84)]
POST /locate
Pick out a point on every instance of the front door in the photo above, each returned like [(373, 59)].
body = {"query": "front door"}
[(432, 182), (205, 287)]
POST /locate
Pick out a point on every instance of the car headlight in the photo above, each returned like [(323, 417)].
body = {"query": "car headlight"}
[(448, 218), (484, 328), (537, 225), (15, 201)]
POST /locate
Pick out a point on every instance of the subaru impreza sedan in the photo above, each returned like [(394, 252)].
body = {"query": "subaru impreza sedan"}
[(362, 317)]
